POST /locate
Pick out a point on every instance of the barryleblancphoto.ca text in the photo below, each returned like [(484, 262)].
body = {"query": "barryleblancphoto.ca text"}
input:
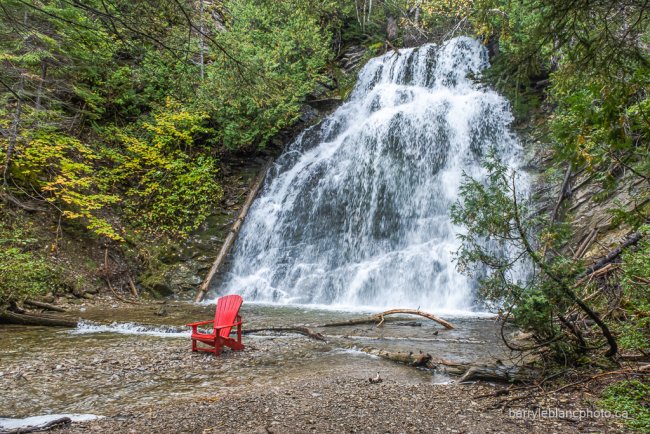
[(561, 413)]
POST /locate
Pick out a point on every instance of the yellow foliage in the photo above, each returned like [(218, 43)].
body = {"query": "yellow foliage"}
[(61, 166)]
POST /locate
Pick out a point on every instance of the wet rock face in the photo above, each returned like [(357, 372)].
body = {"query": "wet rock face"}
[(180, 266), (184, 277)]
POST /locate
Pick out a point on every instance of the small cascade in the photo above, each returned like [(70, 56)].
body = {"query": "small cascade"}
[(130, 328)]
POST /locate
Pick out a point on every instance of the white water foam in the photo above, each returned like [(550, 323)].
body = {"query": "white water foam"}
[(129, 328), (37, 421)]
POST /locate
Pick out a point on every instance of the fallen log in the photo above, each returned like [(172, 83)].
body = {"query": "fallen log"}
[(232, 235), (598, 273), (467, 371), (42, 305), (411, 359), (640, 358), (379, 318), (8, 317), (295, 329), (498, 372), (630, 241)]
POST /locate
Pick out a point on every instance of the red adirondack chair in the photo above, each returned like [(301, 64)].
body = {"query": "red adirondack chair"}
[(225, 318)]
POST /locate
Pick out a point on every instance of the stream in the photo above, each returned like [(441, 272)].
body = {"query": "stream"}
[(143, 359)]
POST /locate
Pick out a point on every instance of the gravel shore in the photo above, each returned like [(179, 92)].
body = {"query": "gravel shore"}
[(352, 405)]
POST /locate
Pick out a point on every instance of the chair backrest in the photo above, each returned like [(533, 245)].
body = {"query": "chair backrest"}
[(227, 309)]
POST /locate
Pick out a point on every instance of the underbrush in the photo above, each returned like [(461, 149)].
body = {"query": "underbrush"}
[(633, 398), (25, 271)]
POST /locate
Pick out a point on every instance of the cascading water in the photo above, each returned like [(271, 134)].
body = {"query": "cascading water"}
[(356, 210)]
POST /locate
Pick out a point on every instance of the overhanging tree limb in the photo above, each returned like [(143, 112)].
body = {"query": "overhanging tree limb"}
[(611, 341)]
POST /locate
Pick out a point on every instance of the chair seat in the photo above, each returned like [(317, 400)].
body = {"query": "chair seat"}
[(204, 337)]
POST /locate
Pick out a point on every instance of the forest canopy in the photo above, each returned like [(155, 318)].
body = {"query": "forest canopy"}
[(127, 105)]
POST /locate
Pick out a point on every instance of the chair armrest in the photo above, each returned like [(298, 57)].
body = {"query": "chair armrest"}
[(199, 323), (227, 325)]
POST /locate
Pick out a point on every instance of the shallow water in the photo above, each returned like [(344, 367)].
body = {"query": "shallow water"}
[(144, 359)]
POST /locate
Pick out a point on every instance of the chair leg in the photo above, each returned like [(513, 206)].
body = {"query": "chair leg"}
[(217, 347), (194, 346)]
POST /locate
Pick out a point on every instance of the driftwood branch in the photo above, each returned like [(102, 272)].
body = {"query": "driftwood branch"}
[(232, 235), (295, 329), (379, 318)]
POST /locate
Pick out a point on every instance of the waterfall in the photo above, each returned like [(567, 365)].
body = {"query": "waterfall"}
[(355, 212)]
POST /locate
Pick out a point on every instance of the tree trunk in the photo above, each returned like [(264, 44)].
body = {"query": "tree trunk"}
[(13, 139), (201, 41), (391, 27), (39, 89)]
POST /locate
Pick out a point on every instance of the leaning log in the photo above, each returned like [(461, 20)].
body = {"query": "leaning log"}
[(584, 246), (232, 235), (8, 317), (294, 329), (565, 191), (379, 318)]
